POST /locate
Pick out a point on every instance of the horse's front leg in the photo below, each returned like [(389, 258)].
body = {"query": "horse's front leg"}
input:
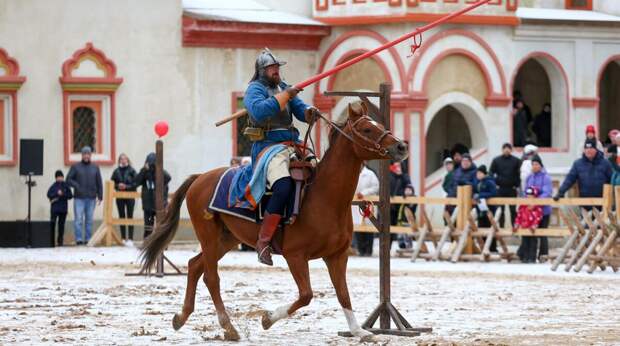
[(299, 269), (337, 266)]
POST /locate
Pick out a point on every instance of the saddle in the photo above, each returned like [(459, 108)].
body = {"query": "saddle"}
[(302, 169)]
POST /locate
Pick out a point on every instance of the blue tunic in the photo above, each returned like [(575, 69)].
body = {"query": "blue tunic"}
[(261, 106)]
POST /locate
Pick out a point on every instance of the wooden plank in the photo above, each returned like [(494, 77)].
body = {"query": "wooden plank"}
[(544, 201), (588, 251), (462, 243), (486, 249), (421, 234), (582, 244), (568, 245), (444, 236)]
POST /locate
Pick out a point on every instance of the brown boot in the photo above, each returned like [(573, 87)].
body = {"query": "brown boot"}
[(267, 229)]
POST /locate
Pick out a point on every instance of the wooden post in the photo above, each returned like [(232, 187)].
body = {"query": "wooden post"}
[(385, 311), (384, 195), (608, 199), (466, 213), (106, 234), (617, 193), (159, 196)]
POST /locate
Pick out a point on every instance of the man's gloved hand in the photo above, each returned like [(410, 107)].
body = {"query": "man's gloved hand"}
[(311, 114), (286, 95), (292, 91), (557, 197)]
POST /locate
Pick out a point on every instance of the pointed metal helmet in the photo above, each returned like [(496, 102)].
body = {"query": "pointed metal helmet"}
[(264, 59)]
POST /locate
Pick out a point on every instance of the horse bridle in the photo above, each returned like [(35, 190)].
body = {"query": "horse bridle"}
[(371, 145)]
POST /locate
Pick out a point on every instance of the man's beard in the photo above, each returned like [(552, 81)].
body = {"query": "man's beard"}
[(274, 80)]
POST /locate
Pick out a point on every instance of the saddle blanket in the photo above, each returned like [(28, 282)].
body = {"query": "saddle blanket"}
[(220, 200)]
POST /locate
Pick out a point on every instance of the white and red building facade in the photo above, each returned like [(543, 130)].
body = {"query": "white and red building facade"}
[(189, 61)]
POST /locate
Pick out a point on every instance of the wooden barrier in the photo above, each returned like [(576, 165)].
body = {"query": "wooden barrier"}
[(468, 242), (106, 234)]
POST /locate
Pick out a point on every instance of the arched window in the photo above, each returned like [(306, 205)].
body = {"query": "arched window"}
[(10, 82), (89, 86), (539, 81), (447, 128), (609, 95)]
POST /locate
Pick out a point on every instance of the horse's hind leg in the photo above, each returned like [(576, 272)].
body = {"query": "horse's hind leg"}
[(194, 272), (196, 267), (213, 250), (337, 266)]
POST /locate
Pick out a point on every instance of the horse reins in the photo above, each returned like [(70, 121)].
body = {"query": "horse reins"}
[(374, 146)]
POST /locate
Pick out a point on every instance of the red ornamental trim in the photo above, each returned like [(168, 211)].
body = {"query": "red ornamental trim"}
[(12, 80), (230, 34), (100, 59), (585, 102)]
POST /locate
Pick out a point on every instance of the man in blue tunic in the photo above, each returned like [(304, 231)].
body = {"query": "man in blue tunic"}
[(270, 103)]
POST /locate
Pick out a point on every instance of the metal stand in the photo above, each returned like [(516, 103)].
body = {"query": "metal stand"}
[(159, 206), (385, 311), (30, 183)]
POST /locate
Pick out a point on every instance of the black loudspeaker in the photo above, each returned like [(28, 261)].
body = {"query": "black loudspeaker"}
[(30, 157), (15, 234)]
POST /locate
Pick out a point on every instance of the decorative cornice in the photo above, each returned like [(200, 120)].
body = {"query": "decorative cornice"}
[(231, 34), (108, 83), (497, 100), (12, 81), (415, 101), (585, 102)]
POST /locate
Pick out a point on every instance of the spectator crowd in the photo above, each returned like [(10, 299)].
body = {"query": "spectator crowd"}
[(84, 185)]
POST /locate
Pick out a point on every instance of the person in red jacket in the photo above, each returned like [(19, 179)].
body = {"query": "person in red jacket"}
[(529, 217)]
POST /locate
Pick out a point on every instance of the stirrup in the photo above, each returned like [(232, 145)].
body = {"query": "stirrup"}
[(260, 256)]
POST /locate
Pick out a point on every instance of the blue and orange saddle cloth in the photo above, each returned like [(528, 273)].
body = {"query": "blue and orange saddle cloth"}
[(242, 191)]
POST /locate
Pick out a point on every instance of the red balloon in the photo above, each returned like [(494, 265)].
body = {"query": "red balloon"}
[(161, 128)]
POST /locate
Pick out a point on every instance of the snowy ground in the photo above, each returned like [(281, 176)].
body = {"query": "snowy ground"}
[(80, 296)]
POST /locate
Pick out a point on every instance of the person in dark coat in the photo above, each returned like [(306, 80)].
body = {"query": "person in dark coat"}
[(485, 188), (123, 178), (457, 151), (519, 124), (85, 179), (505, 169), (405, 240), (465, 174), (398, 182), (58, 194), (592, 171), (146, 179), (542, 126)]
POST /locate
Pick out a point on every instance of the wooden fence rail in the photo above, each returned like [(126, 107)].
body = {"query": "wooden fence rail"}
[(106, 235)]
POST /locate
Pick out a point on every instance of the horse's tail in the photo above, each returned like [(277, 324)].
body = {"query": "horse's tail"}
[(163, 234)]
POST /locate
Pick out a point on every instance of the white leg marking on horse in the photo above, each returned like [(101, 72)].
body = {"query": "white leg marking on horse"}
[(279, 313), (354, 327)]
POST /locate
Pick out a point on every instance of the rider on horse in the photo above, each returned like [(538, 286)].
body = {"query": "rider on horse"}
[(270, 103)]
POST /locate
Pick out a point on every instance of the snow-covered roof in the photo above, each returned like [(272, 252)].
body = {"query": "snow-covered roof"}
[(242, 11), (564, 15)]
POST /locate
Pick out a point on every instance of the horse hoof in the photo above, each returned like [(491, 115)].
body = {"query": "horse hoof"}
[(370, 337), (176, 322), (266, 320), (231, 334)]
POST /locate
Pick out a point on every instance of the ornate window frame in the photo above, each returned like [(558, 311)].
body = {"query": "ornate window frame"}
[(569, 5), (10, 82), (95, 81)]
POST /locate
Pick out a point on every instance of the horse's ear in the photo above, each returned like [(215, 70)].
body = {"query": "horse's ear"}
[(356, 110), (364, 108)]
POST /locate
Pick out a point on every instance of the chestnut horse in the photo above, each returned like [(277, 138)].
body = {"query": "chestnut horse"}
[(323, 229)]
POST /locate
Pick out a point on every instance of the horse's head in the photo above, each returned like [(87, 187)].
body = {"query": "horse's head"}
[(371, 141)]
